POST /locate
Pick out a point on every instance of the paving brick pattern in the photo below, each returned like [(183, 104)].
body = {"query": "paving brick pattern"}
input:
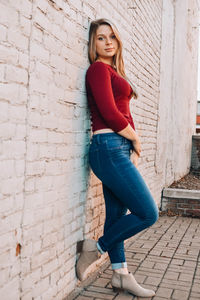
[(164, 257)]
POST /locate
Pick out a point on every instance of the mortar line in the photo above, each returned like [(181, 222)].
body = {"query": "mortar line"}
[(156, 243), (175, 253), (195, 271), (26, 148)]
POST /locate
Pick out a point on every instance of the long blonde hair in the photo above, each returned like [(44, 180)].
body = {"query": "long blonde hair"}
[(118, 61)]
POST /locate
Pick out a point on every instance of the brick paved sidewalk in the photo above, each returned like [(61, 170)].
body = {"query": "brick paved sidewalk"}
[(165, 258)]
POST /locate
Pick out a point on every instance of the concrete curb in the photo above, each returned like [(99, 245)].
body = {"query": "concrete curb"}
[(181, 201), (181, 193)]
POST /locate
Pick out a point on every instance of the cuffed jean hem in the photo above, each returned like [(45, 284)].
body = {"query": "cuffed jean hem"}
[(99, 248), (119, 265)]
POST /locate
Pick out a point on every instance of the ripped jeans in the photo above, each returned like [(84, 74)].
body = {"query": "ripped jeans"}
[(123, 189)]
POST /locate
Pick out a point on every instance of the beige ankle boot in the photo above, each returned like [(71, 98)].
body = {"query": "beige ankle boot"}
[(88, 256), (127, 282)]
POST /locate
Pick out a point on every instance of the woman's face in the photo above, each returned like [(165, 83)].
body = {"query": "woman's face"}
[(106, 42)]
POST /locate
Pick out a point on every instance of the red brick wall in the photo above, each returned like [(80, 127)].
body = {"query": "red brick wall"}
[(183, 207)]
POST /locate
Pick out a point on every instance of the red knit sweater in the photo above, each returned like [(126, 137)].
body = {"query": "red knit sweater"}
[(108, 97)]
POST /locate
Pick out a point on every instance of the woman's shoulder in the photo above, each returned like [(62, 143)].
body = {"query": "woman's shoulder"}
[(99, 67)]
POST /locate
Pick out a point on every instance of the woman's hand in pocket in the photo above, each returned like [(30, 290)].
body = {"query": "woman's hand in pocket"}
[(137, 146), (134, 158)]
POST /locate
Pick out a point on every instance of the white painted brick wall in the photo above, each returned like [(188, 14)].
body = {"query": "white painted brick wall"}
[(49, 198)]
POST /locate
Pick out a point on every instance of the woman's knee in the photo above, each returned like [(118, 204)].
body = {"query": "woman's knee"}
[(152, 216)]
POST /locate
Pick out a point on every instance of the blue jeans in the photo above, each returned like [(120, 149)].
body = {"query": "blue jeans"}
[(123, 189)]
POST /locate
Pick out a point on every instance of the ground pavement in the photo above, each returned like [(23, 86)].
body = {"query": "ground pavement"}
[(164, 257)]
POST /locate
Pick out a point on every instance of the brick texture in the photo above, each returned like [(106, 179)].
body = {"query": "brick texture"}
[(183, 207), (195, 156)]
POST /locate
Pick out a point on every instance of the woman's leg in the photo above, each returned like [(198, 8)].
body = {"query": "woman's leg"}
[(114, 210), (123, 187), (110, 161), (127, 183)]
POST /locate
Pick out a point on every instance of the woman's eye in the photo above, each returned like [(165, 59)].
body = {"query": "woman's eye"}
[(113, 36), (100, 38)]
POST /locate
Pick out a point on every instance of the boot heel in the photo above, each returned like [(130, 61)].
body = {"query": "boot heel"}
[(117, 290)]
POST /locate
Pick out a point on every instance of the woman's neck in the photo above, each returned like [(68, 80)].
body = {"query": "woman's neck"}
[(106, 61)]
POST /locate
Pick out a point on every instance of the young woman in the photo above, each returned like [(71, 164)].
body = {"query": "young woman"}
[(113, 157)]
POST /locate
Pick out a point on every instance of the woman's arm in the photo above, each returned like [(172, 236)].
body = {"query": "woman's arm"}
[(98, 83), (129, 133)]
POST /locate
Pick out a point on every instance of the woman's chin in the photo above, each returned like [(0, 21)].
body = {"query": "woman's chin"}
[(107, 55)]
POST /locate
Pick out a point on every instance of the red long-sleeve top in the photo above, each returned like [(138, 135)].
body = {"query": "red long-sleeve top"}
[(108, 97)]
